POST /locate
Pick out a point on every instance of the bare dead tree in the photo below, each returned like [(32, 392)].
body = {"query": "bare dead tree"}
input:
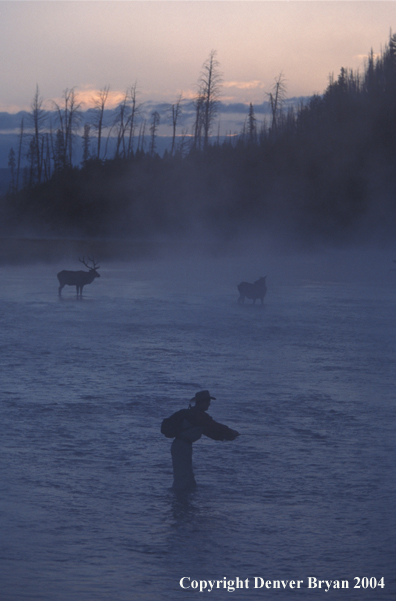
[(218, 133), (86, 142), (99, 108), (181, 148), (38, 117), (176, 111), (141, 138), (59, 153), (277, 98), (209, 91), (121, 123), (198, 123), (251, 126), (153, 132), (19, 155), (134, 109), (72, 123), (31, 156), (47, 158), (69, 117)]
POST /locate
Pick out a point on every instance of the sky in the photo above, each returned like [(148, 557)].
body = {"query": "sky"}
[(161, 46)]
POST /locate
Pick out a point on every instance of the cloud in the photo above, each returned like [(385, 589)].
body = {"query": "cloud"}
[(88, 95), (365, 57), (255, 84), (11, 122)]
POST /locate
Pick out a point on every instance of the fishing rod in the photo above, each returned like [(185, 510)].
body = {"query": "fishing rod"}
[(262, 435)]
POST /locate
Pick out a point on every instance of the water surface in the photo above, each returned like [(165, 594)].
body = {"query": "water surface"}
[(87, 512)]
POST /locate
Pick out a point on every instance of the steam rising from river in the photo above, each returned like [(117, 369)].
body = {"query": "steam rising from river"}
[(308, 379)]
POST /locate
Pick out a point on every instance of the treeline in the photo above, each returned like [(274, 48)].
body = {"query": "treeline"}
[(322, 170)]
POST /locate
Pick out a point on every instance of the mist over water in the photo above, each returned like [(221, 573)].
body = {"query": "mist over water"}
[(308, 489)]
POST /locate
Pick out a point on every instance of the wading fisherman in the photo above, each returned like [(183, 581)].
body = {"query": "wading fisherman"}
[(187, 426)]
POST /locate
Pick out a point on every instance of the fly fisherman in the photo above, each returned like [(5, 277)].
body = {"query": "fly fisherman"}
[(187, 426)]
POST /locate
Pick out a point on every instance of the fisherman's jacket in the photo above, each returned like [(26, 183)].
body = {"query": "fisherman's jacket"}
[(206, 424)]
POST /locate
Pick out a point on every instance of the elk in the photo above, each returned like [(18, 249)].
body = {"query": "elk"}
[(78, 278), (253, 291)]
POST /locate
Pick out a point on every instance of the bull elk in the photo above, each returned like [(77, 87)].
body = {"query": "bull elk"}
[(253, 291), (78, 278)]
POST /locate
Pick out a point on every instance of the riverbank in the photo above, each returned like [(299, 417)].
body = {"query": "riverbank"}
[(51, 250)]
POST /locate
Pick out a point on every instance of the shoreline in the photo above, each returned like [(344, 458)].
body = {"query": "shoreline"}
[(51, 250)]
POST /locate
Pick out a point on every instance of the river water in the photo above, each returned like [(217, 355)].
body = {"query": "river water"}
[(307, 491)]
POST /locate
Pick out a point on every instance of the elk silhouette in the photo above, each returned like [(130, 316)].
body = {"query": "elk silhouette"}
[(253, 291), (78, 278)]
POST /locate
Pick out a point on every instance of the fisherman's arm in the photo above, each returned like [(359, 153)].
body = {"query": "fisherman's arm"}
[(218, 431)]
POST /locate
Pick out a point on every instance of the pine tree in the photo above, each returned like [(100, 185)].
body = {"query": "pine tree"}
[(86, 143), (251, 126)]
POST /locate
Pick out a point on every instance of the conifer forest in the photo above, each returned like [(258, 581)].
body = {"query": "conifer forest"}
[(322, 170)]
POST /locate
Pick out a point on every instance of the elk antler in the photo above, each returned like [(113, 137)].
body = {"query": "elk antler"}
[(86, 264), (93, 263)]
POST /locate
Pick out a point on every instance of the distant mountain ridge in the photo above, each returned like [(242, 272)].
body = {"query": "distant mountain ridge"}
[(232, 117)]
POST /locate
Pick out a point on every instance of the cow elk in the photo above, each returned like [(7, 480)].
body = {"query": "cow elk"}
[(78, 278), (252, 291)]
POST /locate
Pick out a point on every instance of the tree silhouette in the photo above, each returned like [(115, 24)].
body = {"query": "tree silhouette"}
[(38, 117), (153, 132), (69, 117), (276, 99), (176, 111), (208, 94), (99, 108)]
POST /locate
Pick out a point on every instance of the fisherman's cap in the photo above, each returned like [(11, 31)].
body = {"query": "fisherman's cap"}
[(203, 395)]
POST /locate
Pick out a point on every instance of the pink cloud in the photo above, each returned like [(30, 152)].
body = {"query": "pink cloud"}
[(255, 84)]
